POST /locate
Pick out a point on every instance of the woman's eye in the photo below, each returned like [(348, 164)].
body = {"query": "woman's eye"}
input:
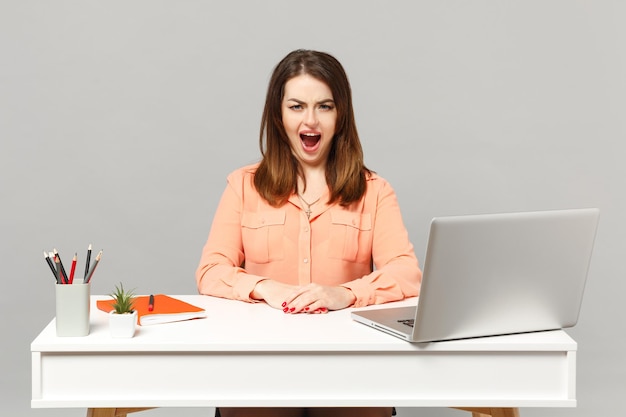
[(296, 107), (326, 107)]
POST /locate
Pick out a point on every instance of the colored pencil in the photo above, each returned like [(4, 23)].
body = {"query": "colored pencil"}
[(64, 277), (74, 259), (87, 262), (93, 267), (57, 261), (51, 265)]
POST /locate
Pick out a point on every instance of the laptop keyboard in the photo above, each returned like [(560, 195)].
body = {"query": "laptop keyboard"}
[(407, 322)]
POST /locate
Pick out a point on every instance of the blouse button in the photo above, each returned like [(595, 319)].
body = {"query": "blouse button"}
[(306, 260)]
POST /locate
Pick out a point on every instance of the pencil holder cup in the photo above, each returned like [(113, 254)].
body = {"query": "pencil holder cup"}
[(72, 309)]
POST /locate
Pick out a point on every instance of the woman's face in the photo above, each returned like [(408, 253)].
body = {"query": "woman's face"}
[(309, 118)]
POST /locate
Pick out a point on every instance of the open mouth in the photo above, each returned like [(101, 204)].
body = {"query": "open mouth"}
[(310, 140)]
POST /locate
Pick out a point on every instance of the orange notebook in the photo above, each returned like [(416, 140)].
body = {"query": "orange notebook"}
[(166, 309)]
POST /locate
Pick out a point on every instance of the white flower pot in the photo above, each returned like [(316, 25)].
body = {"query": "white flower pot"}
[(122, 325)]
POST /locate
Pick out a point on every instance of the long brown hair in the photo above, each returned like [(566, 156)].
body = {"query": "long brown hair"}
[(277, 175)]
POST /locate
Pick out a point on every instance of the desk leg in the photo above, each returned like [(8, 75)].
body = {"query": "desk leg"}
[(113, 412), (491, 412)]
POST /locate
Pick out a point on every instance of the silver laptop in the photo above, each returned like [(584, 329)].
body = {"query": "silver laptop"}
[(495, 274)]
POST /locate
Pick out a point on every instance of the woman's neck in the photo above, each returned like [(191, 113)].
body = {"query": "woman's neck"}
[(315, 180)]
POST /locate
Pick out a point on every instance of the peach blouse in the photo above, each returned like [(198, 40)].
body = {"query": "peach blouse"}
[(364, 247)]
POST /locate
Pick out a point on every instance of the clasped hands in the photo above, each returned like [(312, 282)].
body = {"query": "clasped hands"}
[(311, 298)]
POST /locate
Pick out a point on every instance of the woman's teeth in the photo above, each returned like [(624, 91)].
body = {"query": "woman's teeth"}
[(310, 139)]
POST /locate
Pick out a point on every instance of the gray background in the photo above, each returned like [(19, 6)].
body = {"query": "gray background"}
[(119, 121)]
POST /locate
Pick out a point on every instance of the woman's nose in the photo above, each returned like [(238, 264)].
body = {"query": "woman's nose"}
[(310, 118)]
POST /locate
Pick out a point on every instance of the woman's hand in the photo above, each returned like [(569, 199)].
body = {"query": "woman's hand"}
[(273, 292), (312, 298), (315, 298)]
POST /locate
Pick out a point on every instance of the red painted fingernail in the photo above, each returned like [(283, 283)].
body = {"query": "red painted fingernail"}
[(292, 309), (286, 309), (306, 309), (284, 303)]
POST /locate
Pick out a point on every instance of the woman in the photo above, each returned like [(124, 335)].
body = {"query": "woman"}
[(304, 229)]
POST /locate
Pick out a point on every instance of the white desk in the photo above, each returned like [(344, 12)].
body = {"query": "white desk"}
[(253, 355)]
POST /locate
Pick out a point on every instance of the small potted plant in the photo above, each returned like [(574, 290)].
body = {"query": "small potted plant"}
[(123, 317)]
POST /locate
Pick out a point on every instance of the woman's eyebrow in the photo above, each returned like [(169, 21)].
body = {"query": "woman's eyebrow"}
[(323, 101)]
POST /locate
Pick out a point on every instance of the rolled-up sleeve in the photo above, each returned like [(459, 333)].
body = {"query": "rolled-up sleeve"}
[(396, 273), (220, 272)]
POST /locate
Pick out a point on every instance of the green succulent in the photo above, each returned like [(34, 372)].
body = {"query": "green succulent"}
[(124, 300)]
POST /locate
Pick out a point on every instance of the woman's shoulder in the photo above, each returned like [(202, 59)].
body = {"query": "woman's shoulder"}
[(242, 173), (377, 187), (375, 180)]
